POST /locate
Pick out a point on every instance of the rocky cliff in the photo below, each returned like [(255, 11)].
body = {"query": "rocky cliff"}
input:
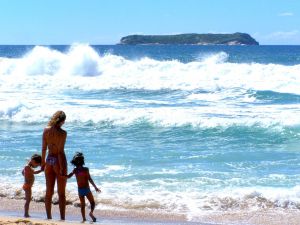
[(194, 39)]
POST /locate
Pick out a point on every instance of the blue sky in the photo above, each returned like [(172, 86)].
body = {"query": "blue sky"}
[(106, 21)]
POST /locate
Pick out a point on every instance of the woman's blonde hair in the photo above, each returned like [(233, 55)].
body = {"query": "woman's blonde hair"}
[(57, 118)]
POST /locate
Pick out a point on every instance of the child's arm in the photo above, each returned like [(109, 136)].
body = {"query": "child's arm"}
[(37, 171), (92, 182), (69, 175)]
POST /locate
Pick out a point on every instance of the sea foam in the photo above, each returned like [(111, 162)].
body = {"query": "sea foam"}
[(159, 197), (82, 67), (211, 91)]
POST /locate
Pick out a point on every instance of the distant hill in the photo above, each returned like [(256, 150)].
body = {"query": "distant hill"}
[(193, 39)]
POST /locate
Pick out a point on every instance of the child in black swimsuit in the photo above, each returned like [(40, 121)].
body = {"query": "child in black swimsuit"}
[(83, 179)]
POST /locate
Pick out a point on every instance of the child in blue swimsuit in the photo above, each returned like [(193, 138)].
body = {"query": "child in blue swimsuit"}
[(83, 179)]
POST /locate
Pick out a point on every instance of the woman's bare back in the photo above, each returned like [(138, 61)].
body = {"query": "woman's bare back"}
[(55, 138)]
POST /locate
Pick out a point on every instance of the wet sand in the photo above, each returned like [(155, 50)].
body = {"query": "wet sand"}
[(11, 212), (257, 217), (12, 209), (5, 220)]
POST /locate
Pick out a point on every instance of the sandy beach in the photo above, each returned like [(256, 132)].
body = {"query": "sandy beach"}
[(32, 221), (11, 212), (259, 217)]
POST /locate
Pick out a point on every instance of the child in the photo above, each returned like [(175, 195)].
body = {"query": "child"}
[(28, 174), (83, 178)]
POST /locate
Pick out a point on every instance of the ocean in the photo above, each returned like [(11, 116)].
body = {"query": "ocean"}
[(179, 129)]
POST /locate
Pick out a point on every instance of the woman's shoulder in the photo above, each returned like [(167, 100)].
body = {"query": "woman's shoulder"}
[(54, 129), (47, 128), (61, 131)]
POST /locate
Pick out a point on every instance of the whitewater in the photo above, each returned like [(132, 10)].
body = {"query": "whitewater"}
[(174, 129)]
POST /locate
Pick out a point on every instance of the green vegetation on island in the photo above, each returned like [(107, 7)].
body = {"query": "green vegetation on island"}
[(192, 39)]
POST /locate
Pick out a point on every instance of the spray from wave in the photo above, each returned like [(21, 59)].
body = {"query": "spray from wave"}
[(109, 89), (83, 68)]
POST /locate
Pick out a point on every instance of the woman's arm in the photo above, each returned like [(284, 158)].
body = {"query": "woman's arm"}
[(44, 149), (61, 155)]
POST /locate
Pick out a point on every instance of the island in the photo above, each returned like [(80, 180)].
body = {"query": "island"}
[(191, 39)]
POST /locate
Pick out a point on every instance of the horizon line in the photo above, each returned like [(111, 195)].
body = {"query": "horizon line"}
[(63, 44)]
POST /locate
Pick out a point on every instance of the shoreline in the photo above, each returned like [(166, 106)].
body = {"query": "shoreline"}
[(11, 211)]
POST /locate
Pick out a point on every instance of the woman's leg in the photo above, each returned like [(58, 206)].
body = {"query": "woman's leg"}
[(61, 189), (82, 206), (27, 202), (61, 169), (90, 197), (50, 182)]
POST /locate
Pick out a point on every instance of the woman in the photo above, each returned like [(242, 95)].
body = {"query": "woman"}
[(55, 165)]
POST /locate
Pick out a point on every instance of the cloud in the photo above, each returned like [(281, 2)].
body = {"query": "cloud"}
[(286, 14), (283, 34), (279, 37)]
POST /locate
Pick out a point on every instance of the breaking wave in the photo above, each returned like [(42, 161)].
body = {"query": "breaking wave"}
[(81, 67)]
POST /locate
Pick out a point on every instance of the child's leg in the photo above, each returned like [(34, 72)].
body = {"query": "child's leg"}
[(90, 197), (82, 206), (27, 202)]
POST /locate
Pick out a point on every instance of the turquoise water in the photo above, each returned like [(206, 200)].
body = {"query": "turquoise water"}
[(182, 129)]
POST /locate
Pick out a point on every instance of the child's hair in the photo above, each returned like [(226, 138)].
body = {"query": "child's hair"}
[(37, 158), (78, 159)]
